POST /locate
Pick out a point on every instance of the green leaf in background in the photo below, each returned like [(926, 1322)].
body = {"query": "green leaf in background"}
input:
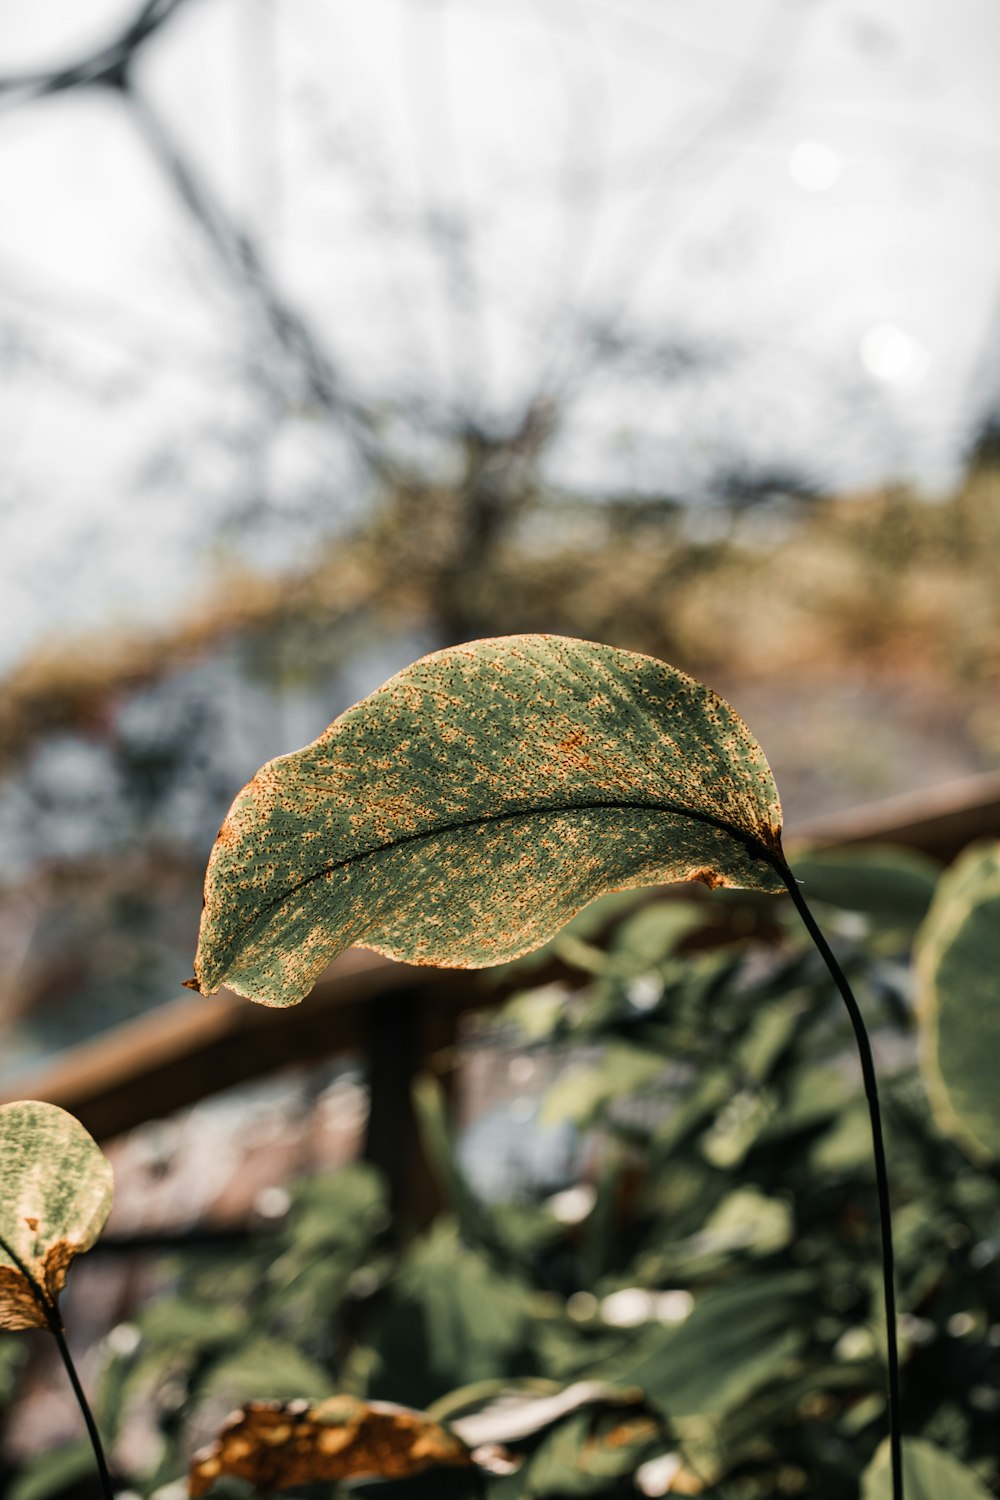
[(891, 886), (54, 1473), (265, 1368), (930, 1474), (958, 960), (744, 1223), (586, 1453), (55, 1196), (462, 813), (748, 1221), (13, 1354), (456, 1318), (737, 1339), (585, 1090)]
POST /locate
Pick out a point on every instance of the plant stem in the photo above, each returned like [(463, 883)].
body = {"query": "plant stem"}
[(881, 1174), (52, 1318)]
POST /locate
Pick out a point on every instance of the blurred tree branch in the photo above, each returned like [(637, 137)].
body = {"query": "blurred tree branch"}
[(322, 384), (108, 67)]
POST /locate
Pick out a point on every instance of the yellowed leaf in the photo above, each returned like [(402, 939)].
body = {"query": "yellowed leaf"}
[(55, 1195), (277, 1444)]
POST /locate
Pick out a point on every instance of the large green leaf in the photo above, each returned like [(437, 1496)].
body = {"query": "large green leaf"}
[(738, 1338), (55, 1195), (464, 811), (930, 1474), (958, 960)]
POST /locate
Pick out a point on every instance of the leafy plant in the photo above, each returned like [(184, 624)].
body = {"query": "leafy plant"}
[(702, 1324), (518, 779), (722, 1242), (55, 1195)]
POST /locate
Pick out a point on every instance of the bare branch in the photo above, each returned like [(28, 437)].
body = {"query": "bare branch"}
[(235, 249), (108, 67)]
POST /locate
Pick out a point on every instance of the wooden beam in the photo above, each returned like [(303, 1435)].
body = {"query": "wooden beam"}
[(940, 821), (196, 1046), (193, 1047)]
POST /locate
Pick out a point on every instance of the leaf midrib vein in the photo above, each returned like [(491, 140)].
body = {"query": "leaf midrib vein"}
[(755, 847)]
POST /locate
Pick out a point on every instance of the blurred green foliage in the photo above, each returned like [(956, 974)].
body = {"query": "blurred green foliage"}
[(715, 1271), (958, 961)]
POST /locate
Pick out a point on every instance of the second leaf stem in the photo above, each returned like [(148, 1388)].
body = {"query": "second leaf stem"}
[(52, 1318), (881, 1173)]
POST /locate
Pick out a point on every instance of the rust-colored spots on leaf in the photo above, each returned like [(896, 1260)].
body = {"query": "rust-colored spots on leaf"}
[(471, 805), (278, 1444)]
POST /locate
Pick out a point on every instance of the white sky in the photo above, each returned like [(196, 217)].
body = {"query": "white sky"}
[(459, 195)]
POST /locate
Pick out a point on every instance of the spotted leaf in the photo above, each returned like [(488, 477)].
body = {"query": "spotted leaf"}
[(470, 806), (55, 1195), (278, 1444)]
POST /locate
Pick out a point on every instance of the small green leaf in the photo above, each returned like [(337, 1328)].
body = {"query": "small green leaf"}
[(462, 813), (269, 1368), (55, 1196), (748, 1221), (928, 1472), (584, 1091), (958, 959)]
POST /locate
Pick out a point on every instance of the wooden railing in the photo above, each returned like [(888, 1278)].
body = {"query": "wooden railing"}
[(395, 1015)]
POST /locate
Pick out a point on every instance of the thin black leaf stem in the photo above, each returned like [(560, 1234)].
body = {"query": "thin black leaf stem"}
[(881, 1173), (54, 1321)]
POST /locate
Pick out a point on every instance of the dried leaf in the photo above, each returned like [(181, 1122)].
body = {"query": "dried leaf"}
[(461, 814), (55, 1196), (277, 1444)]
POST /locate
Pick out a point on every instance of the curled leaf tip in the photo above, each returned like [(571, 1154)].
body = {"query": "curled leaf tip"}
[(463, 812)]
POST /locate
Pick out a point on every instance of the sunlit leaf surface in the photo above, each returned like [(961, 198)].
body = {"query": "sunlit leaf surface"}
[(55, 1195), (468, 808), (958, 963)]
